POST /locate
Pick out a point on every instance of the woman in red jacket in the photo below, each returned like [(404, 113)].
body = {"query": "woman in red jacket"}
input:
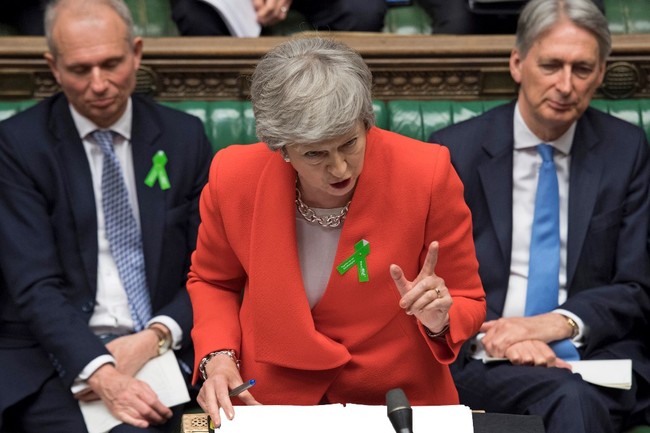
[(335, 260)]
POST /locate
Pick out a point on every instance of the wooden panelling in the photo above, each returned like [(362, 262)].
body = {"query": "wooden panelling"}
[(404, 67)]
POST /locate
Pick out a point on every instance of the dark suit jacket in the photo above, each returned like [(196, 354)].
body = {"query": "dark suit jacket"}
[(48, 236), (608, 269)]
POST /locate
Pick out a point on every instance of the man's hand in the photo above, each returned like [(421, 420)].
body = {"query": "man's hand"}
[(505, 338), (534, 352), (426, 297), (128, 399), (270, 12), (131, 352)]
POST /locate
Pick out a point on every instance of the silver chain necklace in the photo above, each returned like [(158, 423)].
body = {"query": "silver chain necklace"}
[(324, 220)]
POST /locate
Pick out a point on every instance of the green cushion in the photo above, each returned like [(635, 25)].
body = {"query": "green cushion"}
[(9, 108), (152, 17), (418, 119), (226, 122), (232, 122), (407, 20), (628, 16), (635, 111), (381, 114)]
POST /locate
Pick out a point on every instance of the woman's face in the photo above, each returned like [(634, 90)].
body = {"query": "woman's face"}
[(328, 171)]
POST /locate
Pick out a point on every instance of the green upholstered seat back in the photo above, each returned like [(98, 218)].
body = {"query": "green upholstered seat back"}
[(407, 20), (9, 108), (152, 17), (628, 16), (418, 119), (635, 111), (232, 122)]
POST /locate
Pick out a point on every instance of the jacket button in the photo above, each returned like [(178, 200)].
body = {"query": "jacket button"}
[(88, 307)]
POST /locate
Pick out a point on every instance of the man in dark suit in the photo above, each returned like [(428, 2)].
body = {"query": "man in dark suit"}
[(84, 304), (601, 278)]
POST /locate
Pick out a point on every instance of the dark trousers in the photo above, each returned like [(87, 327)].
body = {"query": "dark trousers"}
[(565, 402), (53, 409)]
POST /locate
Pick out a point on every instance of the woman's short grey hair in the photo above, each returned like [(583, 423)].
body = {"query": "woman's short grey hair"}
[(53, 7), (309, 90), (539, 15)]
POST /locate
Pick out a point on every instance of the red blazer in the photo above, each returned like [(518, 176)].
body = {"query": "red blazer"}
[(247, 291)]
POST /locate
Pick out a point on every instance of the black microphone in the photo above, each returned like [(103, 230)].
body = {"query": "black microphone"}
[(399, 411)]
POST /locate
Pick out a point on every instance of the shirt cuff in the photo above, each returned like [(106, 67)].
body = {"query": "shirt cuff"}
[(578, 339), (79, 383)]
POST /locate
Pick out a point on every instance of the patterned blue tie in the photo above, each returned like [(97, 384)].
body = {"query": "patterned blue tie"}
[(544, 265), (122, 232)]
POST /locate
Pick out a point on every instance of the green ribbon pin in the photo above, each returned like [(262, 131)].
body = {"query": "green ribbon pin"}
[(158, 171), (358, 258)]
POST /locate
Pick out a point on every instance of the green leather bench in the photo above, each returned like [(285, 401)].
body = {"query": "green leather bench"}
[(228, 122)]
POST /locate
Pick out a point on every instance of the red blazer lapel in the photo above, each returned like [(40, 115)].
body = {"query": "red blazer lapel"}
[(283, 325)]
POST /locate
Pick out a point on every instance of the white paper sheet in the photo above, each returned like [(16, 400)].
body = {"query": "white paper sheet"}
[(239, 16), (611, 373), (351, 418), (161, 373)]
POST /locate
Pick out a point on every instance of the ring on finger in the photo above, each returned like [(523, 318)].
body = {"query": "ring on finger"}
[(438, 293), (284, 9)]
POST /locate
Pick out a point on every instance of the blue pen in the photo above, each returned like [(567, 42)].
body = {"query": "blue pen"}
[(233, 393), (241, 388)]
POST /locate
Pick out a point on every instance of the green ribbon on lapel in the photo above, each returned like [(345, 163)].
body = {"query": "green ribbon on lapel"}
[(358, 258), (158, 171)]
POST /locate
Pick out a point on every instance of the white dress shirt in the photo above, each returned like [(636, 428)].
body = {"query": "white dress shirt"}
[(111, 314), (525, 174), (526, 164)]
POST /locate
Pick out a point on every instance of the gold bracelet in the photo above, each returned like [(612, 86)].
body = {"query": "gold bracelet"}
[(575, 330)]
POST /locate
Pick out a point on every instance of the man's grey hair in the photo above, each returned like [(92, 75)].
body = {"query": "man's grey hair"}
[(308, 90), (539, 15), (53, 7)]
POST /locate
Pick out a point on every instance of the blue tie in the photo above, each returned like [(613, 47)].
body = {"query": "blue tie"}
[(122, 232), (544, 265)]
